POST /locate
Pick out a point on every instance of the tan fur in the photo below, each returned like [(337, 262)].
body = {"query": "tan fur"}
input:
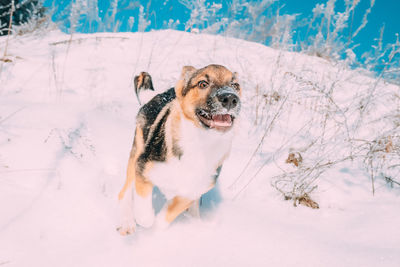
[(140, 79), (143, 187), (192, 99), (176, 207), (137, 149)]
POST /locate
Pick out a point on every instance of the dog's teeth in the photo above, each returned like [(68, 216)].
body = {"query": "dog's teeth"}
[(204, 114)]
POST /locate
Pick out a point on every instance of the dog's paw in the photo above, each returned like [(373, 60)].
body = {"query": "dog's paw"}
[(126, 218), (126, 228)]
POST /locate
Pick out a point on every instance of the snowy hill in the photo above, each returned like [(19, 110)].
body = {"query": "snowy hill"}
[(67, 114)]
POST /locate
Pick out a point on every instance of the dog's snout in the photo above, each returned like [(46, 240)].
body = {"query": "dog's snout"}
[(228, 100)]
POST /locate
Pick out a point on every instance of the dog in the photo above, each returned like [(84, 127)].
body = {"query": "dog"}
[(182, 139)]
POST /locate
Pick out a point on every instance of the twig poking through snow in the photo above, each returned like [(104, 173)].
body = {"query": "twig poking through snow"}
[(11, 115)]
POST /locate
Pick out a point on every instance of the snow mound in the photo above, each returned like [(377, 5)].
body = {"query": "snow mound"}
[(67, 116)]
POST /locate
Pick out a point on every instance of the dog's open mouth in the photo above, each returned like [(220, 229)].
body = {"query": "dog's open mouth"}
[(216, 121)]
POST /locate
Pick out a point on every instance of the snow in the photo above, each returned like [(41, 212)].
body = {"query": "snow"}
[(67, 117)]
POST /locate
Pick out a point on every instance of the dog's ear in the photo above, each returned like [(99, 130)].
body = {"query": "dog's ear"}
[(186, 74)]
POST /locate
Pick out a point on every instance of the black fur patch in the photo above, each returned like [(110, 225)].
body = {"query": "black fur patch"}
[(156, 148), (155, 144), (217, 172), (151, 110)]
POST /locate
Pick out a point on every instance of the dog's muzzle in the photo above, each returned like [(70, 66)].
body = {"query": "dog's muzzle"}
[(225, 98), (228, 100), (223, 106)]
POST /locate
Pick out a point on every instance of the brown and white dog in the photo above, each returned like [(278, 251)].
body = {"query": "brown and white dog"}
[(182, 138)]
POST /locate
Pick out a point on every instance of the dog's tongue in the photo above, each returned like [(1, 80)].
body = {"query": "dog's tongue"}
[(221, 120)]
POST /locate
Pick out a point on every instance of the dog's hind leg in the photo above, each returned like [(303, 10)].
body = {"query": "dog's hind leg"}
[(143, 202), (194, 209), (173, 209)]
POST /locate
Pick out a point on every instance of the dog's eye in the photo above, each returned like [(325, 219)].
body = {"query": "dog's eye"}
[(202, 84)]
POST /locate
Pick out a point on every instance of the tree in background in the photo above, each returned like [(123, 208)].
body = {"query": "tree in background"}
[(20, 12)]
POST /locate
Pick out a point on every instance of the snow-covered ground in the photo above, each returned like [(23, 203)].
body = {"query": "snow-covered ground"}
[(67, 114)]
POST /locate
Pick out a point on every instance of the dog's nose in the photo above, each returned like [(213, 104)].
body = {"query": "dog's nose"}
[(228, 100)]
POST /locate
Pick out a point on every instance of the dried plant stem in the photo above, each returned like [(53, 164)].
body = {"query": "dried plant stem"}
[(8, 36), (78, 40), (257, 103), (266, 131), (69, 42), (10, 115), (372, 176)]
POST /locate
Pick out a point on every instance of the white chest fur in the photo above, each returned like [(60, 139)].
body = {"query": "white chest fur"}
[(193, 174)]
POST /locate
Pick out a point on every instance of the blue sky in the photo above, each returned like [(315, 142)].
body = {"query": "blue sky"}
[(384, 12)]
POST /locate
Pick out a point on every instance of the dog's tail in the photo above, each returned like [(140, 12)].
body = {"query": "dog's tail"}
[(143, 83)]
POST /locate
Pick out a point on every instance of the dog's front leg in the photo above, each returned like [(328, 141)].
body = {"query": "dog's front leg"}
[(143, 202), (126, 216)]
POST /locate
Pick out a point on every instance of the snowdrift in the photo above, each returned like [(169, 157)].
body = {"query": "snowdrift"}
[(67, 114)]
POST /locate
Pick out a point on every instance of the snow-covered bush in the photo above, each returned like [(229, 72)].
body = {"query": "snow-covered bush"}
[(328, 33), (22, 15), (332, 124)]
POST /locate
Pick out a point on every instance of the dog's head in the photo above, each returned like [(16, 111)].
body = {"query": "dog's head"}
[(210, 97)]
